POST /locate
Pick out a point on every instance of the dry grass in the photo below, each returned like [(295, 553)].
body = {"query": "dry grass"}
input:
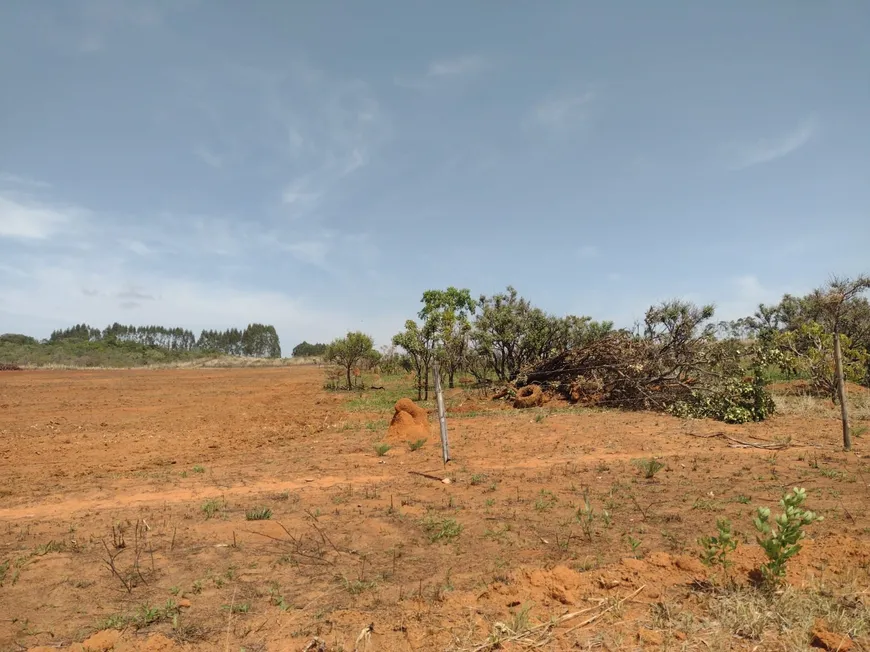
[(805, 405), (788, 615)]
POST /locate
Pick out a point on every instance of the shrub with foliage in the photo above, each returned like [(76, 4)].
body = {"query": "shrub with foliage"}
[(735, 400), (808, 352), (781, 539), (715, 550)]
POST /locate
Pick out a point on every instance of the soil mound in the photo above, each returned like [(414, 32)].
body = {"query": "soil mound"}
[(529, 396), (410, 421)]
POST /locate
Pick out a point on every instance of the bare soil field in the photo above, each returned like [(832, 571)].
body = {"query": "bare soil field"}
[(247, 509)]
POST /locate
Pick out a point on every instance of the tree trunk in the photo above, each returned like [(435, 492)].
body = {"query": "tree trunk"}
[(426, 382), (841, 392), (450, 379), (419, 384), (349, 386)]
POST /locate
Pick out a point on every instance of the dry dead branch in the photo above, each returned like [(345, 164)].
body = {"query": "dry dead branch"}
[(738, 443)]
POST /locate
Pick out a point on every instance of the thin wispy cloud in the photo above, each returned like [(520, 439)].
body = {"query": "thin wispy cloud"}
[(445, 72), (92, 27), (312, 252), (137, 247), (764, 151), (31, 220), (562, 112), (459, 66), (208, 157), (298, 197), (294, 120), (13, 181), (587, 251), (134, 294)]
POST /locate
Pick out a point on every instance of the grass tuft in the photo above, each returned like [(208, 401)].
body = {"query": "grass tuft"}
[(416, 445), (649, 466), (258, 514), (381, 449), (212, 507), (441, 529)]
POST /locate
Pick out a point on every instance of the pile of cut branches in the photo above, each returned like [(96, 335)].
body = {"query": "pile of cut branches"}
[(615, 371), (676, 365)]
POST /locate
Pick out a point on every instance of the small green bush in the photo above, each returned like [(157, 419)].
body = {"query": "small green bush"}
[(736, 401), (715, 549), (381, 449), (781, 540)]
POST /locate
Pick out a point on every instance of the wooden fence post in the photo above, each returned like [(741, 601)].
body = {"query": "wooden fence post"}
[(442, 415)]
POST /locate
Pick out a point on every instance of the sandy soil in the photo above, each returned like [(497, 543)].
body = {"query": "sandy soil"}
[(125, 499)]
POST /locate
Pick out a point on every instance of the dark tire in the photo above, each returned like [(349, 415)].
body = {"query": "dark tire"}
[(529, 396)]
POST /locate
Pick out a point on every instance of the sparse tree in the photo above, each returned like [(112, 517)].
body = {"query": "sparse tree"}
[(419, 344), (834, 300), (349, 351), (516, 335)]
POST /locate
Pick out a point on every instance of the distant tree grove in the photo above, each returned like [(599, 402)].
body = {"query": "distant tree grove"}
[(257, 340), (306, 350)]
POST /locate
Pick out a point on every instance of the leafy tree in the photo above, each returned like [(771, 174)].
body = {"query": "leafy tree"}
[(514, 335), (809, 352), (349, 351), (825, 335), (419, 344), (793, 312), (446, 313), (393, 362)]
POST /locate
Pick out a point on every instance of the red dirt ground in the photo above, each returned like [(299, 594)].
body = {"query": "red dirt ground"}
[(172, 460)]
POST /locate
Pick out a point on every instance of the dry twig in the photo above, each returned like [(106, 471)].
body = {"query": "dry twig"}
[(775, 446), (542, 635)]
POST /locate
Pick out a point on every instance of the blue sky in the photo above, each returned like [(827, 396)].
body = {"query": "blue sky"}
[(317, 165)]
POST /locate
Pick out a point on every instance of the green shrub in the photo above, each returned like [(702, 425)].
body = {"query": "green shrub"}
[(735, 401), (715, 549), (781, 540), (381, 449)]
